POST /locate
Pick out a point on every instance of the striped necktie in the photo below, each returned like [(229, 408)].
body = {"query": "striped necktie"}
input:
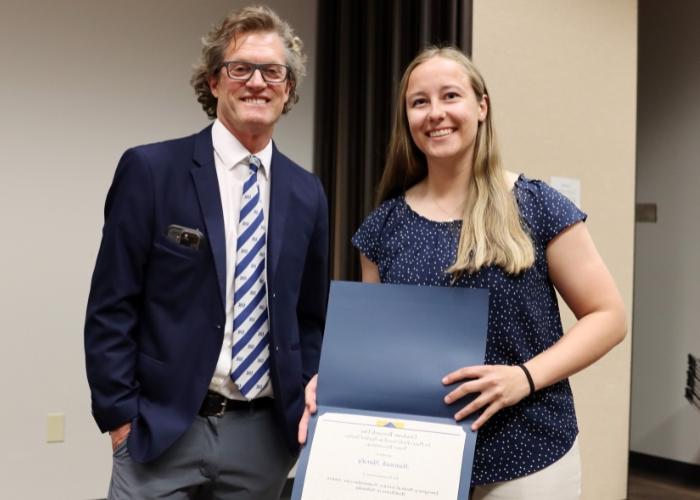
[(251, 353)]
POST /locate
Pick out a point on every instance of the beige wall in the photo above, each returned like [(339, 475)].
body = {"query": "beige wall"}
[(81, 81), (562, 76)]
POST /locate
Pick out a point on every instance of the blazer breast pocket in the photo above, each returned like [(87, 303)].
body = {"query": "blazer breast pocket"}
[(164, 247), (175, 271)]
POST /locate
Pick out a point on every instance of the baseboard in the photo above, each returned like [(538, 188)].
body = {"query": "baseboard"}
[(681, 472)]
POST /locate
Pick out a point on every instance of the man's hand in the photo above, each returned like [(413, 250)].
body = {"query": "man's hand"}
[(119, 434), (309, 408)]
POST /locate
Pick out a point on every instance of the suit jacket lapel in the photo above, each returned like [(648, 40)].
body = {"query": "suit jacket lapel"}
[(280, 188), (207, 185)]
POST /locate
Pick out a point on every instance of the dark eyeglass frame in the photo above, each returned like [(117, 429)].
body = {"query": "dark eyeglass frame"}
[(256, 67)]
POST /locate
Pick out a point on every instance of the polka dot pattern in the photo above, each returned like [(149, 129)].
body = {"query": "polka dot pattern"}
[(523, 321)]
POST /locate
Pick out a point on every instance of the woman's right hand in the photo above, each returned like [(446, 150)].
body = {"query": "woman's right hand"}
[(309, 408)]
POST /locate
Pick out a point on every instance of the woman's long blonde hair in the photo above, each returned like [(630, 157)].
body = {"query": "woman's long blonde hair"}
[(492, 233)]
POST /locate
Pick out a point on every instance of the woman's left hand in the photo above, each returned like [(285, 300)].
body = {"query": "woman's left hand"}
[(500, 386)]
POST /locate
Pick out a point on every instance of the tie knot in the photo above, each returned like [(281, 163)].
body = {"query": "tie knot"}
[(254, 163)]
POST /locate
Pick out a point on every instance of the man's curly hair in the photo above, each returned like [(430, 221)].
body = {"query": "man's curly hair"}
[(247, 20)]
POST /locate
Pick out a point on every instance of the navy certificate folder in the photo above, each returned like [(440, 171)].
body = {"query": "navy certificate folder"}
[(386, 349)]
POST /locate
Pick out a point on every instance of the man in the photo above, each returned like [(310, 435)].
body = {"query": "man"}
[(208, 299)]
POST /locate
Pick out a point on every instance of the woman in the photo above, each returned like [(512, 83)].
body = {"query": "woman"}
[(449, 215)]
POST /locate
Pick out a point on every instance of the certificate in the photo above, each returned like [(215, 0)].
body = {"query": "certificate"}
[(361, 457), (382, 430)]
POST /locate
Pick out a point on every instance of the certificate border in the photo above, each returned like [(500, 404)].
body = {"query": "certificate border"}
[(467, 454), (387, 347)]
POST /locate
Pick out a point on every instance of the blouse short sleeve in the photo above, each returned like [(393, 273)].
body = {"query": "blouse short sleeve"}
[(545, 210), (368, 238)]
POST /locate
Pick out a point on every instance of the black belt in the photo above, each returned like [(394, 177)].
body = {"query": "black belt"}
[(215, 405)]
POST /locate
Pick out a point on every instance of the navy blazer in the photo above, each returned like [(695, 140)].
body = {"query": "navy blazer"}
[(155, 315)]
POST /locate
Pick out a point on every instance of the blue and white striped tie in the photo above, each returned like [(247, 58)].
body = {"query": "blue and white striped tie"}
[(251, 353)]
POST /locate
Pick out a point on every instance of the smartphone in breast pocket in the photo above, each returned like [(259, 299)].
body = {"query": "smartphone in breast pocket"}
[(185, 236)]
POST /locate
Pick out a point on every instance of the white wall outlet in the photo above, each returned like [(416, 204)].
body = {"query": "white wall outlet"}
[(55, 428)]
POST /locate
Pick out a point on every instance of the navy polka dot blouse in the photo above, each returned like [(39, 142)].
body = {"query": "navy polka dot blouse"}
[(523, 318)]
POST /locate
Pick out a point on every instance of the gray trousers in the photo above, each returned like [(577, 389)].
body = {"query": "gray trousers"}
[(239, 456)]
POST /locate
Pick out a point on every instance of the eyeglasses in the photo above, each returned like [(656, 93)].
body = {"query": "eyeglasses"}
[(243, 71)]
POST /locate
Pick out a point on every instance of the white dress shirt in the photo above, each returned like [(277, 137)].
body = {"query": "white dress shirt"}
[(231, 160)]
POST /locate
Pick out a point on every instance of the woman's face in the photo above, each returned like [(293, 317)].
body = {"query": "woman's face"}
[(442, 110)]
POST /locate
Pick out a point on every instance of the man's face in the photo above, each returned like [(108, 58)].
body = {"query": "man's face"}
[(251, 108)]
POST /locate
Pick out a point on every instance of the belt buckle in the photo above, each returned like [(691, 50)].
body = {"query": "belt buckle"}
[(222, 410)]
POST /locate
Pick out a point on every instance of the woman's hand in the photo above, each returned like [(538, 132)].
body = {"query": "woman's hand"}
[(309, 408), (500, 386)]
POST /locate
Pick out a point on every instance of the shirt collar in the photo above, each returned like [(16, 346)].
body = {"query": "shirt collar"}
[(231, 152)]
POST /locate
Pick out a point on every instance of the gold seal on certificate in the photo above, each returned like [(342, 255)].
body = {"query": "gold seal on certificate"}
[(364, 457)]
